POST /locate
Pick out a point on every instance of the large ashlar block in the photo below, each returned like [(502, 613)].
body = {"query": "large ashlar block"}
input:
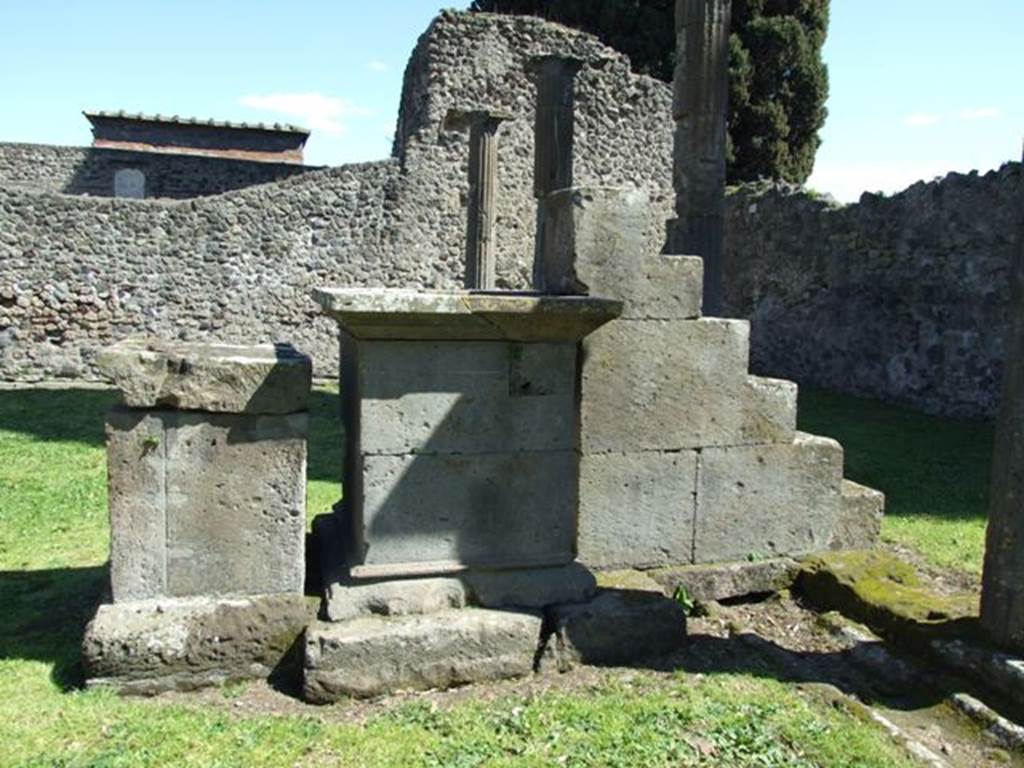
[(444, 511), (767, 500), (860, 517), (637, 509), (670, 385), (150, 646), (206, 504), (464, 397), (373, 656), (606, 241), (222, 378)]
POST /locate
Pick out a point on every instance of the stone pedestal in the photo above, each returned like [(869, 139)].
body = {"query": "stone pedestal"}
[(460, 419), (207, 481)]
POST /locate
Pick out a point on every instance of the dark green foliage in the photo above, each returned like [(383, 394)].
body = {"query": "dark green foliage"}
[(778, 82)]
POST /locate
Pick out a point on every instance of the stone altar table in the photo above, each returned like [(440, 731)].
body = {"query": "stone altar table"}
[(460, 412)]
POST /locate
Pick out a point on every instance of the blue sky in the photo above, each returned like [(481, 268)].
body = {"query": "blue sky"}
[(919, 87)]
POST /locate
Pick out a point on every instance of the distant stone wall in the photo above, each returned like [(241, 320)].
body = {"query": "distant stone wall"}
[(90, 171), (77, 273), (903, 298)]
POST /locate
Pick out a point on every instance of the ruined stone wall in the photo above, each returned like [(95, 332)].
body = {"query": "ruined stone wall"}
[(90, 171), (903, 298), (77, 272)]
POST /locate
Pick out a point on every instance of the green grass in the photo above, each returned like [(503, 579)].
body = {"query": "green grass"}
[(934, 472), (53, 545)]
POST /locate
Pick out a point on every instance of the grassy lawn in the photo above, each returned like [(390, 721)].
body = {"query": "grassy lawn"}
[(934, 472), (53, 542)]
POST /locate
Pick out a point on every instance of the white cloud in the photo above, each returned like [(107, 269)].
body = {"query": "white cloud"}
[(921, 119), (377, 66), (985, 113), (316, 111)]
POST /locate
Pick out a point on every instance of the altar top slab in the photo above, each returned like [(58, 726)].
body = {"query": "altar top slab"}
[(404, 314)]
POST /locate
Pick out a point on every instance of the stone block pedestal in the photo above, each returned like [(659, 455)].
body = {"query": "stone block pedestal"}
[(207, 482)]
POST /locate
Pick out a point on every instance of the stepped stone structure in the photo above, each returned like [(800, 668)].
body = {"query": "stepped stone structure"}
[(503, 448), (207, 484)]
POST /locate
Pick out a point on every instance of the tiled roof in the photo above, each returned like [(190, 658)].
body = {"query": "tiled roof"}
[(174, 119)]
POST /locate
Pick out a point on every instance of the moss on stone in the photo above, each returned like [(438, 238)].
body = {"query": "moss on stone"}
[(628, 580), (885, 593)]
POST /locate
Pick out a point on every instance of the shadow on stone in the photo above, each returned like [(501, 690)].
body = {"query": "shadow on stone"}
[(45, 614)]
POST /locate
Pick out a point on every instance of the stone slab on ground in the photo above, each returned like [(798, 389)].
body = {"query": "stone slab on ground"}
[(656, 385), (616, 627), (512, 588), (398, 597), (877, 589), (599, 241), (860, 517), (768, 500), (988, 667), (223, 378), (150, 646), (206, 504), (637, 509), (370, 657), (722, 581)]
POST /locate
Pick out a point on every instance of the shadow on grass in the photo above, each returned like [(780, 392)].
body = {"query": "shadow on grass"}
[(78, 415), (45, 614), (326, 436), (67, 415), (926, 465)]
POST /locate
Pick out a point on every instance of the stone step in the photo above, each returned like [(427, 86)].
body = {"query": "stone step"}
[(370, 657), (672, 385), (767, 500), (607, 242), (860, 517), (520, 588)]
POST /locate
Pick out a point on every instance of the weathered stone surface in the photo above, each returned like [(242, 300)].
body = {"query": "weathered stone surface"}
[(137, 502), (399, 597), (530, 587), (521, 587), (152, 373), (988, 667), (1002, 594), (493, 510), (149, 646), (373, 656), (464, 397), (383, 313), (721, 581), (637, 509), (860, 517), (876, 588), (670, 385), (616, 627), (767, 500), (206, 504), (599, 241)]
